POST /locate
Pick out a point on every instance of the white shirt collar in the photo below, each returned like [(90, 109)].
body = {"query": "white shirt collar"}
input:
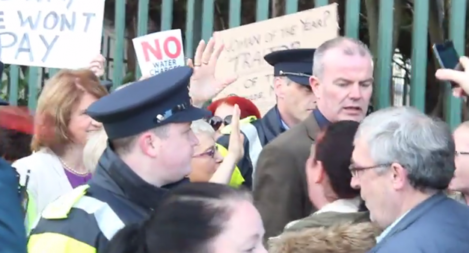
[(388, 229), (342, 206)]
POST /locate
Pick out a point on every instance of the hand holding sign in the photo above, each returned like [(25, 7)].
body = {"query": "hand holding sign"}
[(97, 65), (204, 86)]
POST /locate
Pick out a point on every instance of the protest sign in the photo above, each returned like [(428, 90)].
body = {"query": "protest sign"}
[(246, 46), (159, 52), (50, 33)]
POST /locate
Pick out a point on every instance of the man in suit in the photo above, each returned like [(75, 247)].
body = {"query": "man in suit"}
[(402, 162), (342, 83)]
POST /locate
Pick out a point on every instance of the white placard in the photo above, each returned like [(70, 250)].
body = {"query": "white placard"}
[(50, 33), (159, 52)]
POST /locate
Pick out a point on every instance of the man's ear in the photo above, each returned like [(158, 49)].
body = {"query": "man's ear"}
[(278, 87), (314, 83)]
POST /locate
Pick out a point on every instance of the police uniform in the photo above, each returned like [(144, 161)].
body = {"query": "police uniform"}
[(297, 65), (87, 218)]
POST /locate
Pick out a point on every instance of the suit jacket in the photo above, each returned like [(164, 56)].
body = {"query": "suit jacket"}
[(12, 231), (437, 225), (280, 188)]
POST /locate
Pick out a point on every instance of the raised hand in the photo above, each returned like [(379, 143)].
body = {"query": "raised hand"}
[(204, 85)]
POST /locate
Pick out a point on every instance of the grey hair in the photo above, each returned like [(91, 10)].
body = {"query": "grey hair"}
[(424, 146), (201, 126), (350, 47)]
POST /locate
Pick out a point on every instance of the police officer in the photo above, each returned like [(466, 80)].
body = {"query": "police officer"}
[(295, 102), (150, 149)]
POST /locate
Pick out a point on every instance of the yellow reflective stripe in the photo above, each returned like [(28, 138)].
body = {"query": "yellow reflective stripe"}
[(108, 221), (30, 219), (60, 208), (57, 243), (237, 178)]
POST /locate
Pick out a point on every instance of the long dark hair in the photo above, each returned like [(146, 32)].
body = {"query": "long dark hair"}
[(186, 222)]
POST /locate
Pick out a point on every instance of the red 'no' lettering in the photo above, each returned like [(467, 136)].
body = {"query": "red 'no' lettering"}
[(156, 49)]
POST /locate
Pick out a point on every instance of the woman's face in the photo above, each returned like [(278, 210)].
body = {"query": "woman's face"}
[(243, 232), (205, 160), (80, 123)]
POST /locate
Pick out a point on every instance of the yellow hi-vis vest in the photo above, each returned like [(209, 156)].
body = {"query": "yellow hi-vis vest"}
[(50, 241), (237, 178), (30, 208)]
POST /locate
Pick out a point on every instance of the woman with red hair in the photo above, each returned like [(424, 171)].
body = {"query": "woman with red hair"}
[(222, 109)]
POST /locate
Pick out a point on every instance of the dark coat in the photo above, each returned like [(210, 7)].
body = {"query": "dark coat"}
[(12, 230), (114, 183)]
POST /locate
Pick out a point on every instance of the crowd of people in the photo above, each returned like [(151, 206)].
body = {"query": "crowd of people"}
[(157, 166)]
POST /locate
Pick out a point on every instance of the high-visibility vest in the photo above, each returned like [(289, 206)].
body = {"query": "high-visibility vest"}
[(237, 178), (30, 209), (53, 238)]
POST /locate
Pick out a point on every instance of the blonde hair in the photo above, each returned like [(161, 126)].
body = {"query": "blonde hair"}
[(94, 148), (59, 97)]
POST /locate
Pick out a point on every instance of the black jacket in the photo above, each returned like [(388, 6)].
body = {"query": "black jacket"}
[(114, 183), (265, 129)]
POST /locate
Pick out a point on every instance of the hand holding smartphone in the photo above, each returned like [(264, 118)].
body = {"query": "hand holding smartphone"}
[(447, 57), (454, 69)]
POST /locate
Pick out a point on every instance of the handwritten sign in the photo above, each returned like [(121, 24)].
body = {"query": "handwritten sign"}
[(246, 46), (50, 33), (159, 52)]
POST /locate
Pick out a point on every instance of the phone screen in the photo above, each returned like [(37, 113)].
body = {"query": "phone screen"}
[(446, 55)]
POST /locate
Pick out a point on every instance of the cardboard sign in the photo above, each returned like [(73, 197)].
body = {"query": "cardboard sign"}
[(159, 52), (50, 33), (246, 46)]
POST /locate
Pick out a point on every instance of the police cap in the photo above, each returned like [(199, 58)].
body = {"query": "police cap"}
[(146, 104), (296, 64)]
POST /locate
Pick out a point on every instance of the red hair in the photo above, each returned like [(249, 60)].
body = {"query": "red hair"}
[(246, 107)]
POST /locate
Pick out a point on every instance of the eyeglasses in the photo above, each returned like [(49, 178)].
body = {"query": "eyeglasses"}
[(210, 153), (216, 121), (462, 153), (354, 169)]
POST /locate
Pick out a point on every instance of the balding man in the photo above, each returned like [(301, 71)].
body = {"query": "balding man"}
[(343, 84)]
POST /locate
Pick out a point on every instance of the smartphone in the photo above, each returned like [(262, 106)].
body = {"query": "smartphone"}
[(447, 56)]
